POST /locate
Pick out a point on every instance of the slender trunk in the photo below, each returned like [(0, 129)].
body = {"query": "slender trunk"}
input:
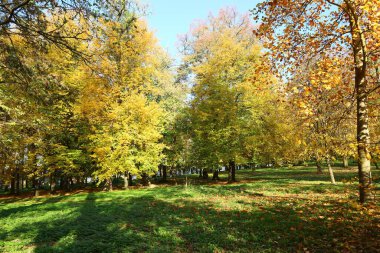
[(364, 164), (52, 184), (130, 179), (359, 48), (205, 174), (17, 181), (164, 173), (200, 173), (319, 166), (331, 171), (345, 162), (215, 175), (231, 171), (376, 165), (36, 185), (61, 183), (13, 183), (110, 184), (125, 178), (71, 184)]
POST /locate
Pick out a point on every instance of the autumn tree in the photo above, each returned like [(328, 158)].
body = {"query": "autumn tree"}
[(322, 96), (40, 132), (296, 31), (125, 96), (225, 59)]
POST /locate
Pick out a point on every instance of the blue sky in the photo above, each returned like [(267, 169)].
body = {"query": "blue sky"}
[(170, 18)]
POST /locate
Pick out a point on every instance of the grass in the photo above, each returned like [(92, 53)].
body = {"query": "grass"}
[(269, 210)]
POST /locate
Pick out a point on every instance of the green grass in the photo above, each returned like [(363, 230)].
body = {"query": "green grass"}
[(269, 210)]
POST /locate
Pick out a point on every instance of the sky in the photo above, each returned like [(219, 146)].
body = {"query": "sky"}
[(170, 18)]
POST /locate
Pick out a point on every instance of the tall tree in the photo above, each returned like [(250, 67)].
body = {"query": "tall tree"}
[(124, 96), (297, 30), (225, 60)]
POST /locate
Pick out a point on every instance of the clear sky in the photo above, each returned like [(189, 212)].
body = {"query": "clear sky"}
[(170, 18)]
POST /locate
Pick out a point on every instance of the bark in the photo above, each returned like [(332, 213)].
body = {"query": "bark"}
[(215, 175), (205, 174), (36, 185), (231, 171), (52, 184), (145, 179), (125, 178), (364, 164), (200, 173), (71, 184), (17, 192), (13, 184), (331, 171), (319, 166), (110, 184), (164, 173), (160, 170), (62, 183), (363, 139), (130, 179), (345, 162)]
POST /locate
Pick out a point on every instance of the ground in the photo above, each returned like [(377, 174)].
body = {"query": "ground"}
[(267, 210)]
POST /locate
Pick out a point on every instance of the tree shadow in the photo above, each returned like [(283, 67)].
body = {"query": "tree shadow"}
[(120, 223)]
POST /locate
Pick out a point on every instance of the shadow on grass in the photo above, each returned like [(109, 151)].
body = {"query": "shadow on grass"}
[(25, 208), (149, 224)]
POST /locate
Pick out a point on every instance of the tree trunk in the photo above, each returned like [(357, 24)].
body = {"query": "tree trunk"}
[(61, 183), (363, 139), (71, 184), (231, 171), (125, 178), (52, 184), (205, 174), (145, 179), (215, 175), (200, 173), (110, 184), (319, 166), (376, 165), (17, 181), (331, 171), (13, 183), (130, 179), (164, 173), (36, 185), (345, 162)]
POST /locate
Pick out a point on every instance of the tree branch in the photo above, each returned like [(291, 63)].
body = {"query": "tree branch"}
[(13, 11)]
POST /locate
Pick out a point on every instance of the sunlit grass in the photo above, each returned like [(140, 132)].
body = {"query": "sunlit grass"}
[(268, 210)]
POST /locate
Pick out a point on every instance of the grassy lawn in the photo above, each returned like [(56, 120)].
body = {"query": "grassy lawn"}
[(269, 210)]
